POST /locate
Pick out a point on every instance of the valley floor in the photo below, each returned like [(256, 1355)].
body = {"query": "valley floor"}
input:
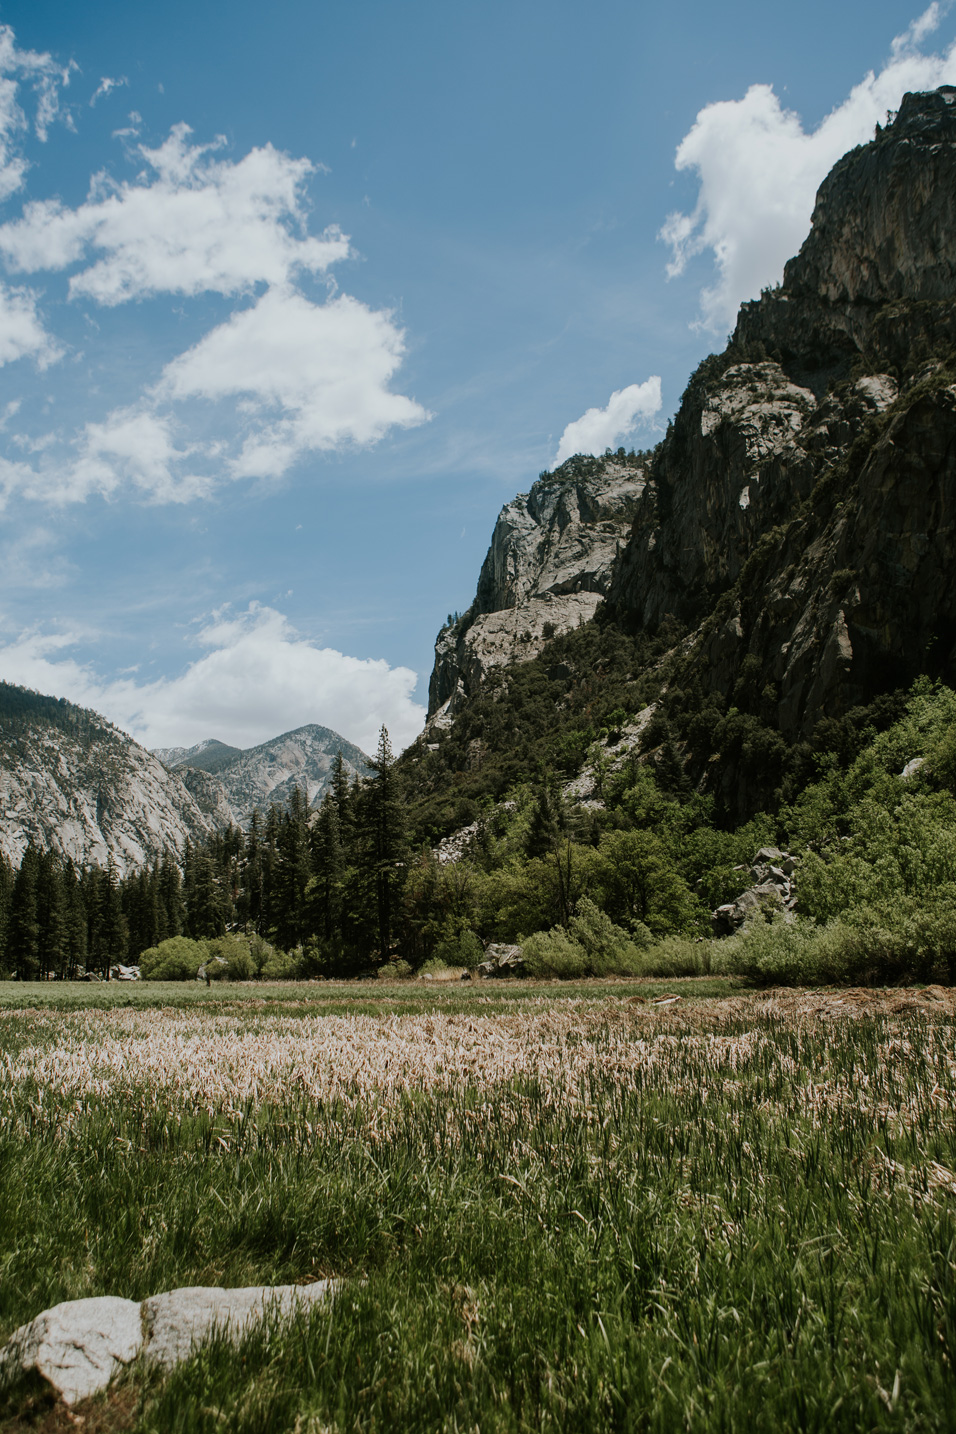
[(603, 1205)]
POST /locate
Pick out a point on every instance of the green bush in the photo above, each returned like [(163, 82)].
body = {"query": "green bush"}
[(609, 950), (593, 946), (789, 953), (554, 953), (283, 966), (236, 952), (176, 959), (463, 950), (679, 956)]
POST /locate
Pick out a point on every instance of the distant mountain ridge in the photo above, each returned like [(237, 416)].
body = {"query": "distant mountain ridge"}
[(255, 777), (72, 783), (208, 756)]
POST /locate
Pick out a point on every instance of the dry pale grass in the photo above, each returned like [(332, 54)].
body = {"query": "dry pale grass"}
[(229, 1063)]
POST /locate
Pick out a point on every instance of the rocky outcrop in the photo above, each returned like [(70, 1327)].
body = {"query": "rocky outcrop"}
[(883, 239), (547, 570), (72, 783), (772, 889), (801, 512)]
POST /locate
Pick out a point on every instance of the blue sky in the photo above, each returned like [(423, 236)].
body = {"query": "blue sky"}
[(292, 299)]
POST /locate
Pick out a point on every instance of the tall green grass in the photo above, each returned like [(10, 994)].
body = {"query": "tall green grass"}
[(754, 1232)]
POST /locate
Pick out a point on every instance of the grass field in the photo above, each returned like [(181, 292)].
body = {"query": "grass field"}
[(550, 1208)]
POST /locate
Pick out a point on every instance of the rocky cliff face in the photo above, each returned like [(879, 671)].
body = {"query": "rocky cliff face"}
[(547, 570), (801, 510), (70, 782)]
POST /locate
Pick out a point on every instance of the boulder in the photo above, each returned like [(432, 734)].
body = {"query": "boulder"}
[(501, 961), (176, 1323), (76, 1346), (772, 890)]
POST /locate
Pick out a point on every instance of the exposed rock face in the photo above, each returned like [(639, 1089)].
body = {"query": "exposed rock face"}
[(84, 789), (812, 531), (883, 238), (227, 780), (547, 570)]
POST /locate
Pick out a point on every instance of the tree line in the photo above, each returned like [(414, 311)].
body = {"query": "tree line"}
[(324, 884)]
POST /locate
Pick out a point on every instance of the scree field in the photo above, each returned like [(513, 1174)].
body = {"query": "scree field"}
[(587, 1207)]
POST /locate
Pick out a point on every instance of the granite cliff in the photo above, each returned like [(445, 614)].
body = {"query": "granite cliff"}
[(548, 570), (794, 534), (72, 783), (801, 510)]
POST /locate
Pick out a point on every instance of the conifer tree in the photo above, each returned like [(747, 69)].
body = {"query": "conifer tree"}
[(328, 863), (293, 868), (51, 917), (24, 928), (385, 842)]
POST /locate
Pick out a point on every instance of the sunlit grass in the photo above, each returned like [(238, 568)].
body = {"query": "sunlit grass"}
[(576, 1210)]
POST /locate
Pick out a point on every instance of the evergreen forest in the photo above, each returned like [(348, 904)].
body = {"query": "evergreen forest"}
[(625, 883)]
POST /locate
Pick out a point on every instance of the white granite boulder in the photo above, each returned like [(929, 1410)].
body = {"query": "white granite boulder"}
[(78, 1346)]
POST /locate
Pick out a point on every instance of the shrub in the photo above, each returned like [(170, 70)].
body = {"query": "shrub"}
[(609, 949), (789, 953), (554, 953), (236, 952), (678, 956), (283, 966), (462, 950), (176, 959)]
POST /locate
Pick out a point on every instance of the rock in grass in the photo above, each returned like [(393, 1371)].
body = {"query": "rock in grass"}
[(76, 1346), (175, 1323)]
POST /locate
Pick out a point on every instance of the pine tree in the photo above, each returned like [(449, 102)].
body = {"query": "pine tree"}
[(171, 911), (51, 917), (7, 878), (328, 865), (385, 842), (24, 928), (292, 871), (76, 929)]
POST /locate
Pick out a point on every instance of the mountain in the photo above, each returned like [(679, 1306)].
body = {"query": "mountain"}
[(208, 756), (547, 571), (73, 783), (226, 779), (790, 546)]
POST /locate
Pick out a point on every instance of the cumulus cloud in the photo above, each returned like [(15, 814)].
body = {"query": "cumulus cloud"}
[(307, 376), (257, 678), (758, 171), (602, 428), (22, 334), (314, 376), (190, 223)]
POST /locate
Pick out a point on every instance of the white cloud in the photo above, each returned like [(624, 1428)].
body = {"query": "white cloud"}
[(22, 334), (258, 678), (314, 376), (194, 224), (759, 171), (105, 88), (602, 428), (308, 376)]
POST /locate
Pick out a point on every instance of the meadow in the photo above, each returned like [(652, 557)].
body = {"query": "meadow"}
[(587, 1206)]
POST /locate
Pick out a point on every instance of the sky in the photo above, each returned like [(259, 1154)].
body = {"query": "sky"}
[(294, 298)]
